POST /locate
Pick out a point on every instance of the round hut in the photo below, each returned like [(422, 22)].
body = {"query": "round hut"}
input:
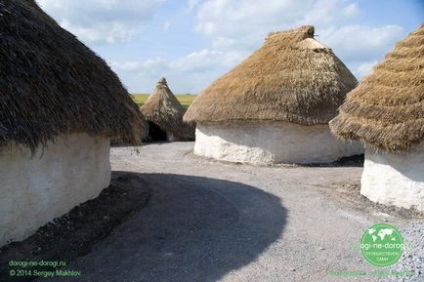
[(386, 112), (275, 106), (164, 114), (60, 105)]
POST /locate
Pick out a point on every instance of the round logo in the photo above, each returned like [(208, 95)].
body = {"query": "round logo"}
[(382, 245)]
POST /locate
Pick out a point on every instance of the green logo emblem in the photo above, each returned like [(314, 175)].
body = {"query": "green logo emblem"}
[(382, 245)]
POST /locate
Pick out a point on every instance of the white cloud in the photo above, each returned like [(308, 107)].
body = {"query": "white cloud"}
[(101, 21), (166, 26), (190, 73), (110, 32), (365, 68), (206, 59), (327, 13), (191, 5), (152, 65), (357, 42), (233, 29), (243, 24)]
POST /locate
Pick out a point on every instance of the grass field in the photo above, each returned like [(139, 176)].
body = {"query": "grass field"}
[(185, 99)]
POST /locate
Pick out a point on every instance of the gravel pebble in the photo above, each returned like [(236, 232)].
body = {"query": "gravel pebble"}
[(413, 256)]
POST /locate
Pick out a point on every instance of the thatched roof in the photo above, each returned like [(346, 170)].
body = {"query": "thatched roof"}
[(163, 109), (51, 84), (387, 108), (292, 77)]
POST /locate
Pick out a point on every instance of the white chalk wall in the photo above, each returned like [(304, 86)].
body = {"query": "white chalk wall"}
[(267, 143), (394, 179), (35, 190)]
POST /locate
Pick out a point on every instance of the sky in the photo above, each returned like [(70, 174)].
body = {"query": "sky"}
[(194, 42)]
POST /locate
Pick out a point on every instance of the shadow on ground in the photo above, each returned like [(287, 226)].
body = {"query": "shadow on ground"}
[(192, 229), (74, 234), (351, 161)]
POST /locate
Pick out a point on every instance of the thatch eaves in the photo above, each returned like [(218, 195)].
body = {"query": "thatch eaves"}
[(292, 77), (51, 83), (387, 108), (163, 109)]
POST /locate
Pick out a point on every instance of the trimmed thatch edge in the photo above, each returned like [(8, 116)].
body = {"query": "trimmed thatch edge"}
[(244, 93), (383, 112), (52, 84)]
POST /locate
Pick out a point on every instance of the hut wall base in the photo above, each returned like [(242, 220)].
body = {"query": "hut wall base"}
[(70, 171), (268, 143), (394, 179)]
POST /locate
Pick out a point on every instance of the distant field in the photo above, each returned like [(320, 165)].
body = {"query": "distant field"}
[(185, 99)]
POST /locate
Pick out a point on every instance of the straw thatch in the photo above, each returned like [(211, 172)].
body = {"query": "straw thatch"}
[(163, 109), (387, 108), (51, 84), (292, 77)]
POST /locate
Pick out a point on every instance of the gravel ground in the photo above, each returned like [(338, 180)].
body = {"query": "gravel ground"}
[(413, 256), (214, 221)]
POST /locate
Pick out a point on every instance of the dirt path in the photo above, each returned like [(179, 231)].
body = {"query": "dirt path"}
[(210, 221)]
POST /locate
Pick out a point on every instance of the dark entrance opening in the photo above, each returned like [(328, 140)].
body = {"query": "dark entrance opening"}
[(156, 133)]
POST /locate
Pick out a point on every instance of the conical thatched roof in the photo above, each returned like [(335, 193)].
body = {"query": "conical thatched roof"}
[(163, 109), (292, 77), (387, 108), (50, 83)]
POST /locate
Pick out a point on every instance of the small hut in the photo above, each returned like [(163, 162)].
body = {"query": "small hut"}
[(386, 112), (275, 106), (60, 105), (164, 114)]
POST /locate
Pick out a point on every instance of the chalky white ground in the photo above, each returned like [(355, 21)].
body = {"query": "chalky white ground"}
[(209, 221)]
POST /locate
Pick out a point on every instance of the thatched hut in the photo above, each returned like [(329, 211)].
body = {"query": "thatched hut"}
[(386, 112), (275, 106), (60, 105), (164, 114)]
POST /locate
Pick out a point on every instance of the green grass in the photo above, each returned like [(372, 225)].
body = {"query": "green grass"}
[(185, 99)]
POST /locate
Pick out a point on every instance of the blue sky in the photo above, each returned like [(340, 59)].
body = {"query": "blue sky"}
[(193, 42)]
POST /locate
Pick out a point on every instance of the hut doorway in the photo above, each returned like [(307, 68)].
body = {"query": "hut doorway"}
[(156, 133)]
